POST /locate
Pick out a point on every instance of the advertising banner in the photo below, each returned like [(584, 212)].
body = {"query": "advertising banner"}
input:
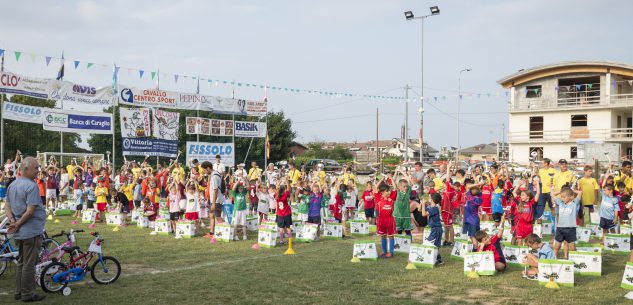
[(11, 83), (207, 151), (135, 122), (195, 125), (149, 146), (59, 120), (221, 128), (250, 129), (70, 92), (165, 124), (22, 113), (239, 107)]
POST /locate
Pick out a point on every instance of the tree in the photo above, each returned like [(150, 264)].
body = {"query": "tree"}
[(30, 138), (338, 152)]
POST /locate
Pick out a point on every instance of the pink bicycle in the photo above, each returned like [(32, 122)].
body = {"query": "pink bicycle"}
[(56, 254)]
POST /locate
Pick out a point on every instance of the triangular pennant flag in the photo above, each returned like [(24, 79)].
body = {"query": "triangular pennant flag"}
[(140, 73), (175, 78), (116, 69), (1, 52), (17, 55), (153, 74), (444, 97), (589, 85), (33, 57), (435, 98), (557, 88), (89, 65), (460, 96), (630, 82), (578, 87), (48, 60), (76, 63)]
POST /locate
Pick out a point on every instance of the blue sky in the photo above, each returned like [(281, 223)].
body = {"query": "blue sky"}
[(356, 46)]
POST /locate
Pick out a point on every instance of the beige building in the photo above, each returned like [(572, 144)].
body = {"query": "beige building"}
[(555, 107)]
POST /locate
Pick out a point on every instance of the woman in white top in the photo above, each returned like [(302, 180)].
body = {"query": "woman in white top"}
[(63, 185)]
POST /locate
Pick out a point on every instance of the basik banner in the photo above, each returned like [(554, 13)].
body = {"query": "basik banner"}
[(207, 151), (69, 92), (22, 113), (58, 120), (250, 129), (11, 83), (149, 147)]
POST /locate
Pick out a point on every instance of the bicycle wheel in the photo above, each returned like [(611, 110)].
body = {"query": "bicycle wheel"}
[(107, 273), (4, 262), (46, 278)]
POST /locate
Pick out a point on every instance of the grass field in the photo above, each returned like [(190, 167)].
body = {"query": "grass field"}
[(163, 270)]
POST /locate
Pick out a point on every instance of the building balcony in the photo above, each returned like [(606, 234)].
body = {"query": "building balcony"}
[(572, 136), (551, 103)]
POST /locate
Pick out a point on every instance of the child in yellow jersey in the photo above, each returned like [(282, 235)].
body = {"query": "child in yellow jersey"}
[(589, 187), (102, 200)]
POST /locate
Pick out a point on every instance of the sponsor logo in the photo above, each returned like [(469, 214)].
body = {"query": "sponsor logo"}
[(246, 126), (127, 95), (206, 149), (84, 90), (23, 109), (49, 118), (9, 80)]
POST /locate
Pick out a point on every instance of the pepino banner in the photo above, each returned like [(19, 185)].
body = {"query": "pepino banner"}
[(207, 151), (11, 83), (59, 120), (22, 113), (250, 129)]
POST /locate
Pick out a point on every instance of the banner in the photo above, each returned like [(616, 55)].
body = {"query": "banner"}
[(195, 125), (135, 122), (164, 99), (239, 107), (59, 120), (69, 92), (149, 146), (207, 151), (166, 124), (221, 128), (22, 113), (250, 129), (22, 85)]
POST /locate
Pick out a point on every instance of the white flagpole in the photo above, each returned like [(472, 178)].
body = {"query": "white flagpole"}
[(2, 115)]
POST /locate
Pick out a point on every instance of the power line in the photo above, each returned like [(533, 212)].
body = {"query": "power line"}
[(343, 103)]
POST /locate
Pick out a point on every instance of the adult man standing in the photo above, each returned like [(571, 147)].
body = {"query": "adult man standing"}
[(418, 176), (254, 173), (218, 165), (625, 176), (27, 216), (214, 193), (546, 174)]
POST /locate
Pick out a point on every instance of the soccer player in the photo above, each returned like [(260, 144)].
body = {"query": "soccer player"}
[(385, 225)]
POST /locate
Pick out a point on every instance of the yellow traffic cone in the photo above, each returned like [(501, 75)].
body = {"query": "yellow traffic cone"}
[(473, 274), (56, 220), (355, 259), (410, 266), (50, 217), (290, 251), (551, 284), (116, 229)]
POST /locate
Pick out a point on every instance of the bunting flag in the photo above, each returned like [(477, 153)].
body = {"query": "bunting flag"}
[(89, 65), (33, 57), (175, 78), (1, 60), (76, 62), (60, 73), (153, 74), (578, 87), (198, 87), (140, 73), (1, 52), (630, 82), (48, 60), (17, 55), (115, 72)]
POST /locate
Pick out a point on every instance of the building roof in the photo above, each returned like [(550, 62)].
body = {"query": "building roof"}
[(484, 149), (415, 145), (591, 66), (298, 144)]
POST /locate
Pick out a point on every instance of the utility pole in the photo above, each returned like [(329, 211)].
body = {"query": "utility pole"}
[(377, 152), (406, 122)]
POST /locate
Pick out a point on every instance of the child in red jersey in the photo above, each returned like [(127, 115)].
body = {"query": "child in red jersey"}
[(486, 199), (447, 212), (524, 216), (284, 211), (370, 203), (487, 243), (386, 224), (337, 206)]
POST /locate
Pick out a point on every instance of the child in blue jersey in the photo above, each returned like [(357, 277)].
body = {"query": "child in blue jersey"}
[(609, 208), (497, 202), (432, 211), (471, 213), (543, 251), (3, 187), (314, 207), (567, 208)]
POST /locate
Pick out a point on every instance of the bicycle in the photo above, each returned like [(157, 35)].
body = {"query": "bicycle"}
[(47, 256), (56, 276)]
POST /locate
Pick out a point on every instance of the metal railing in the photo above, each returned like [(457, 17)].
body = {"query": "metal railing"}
[(573, 135), (551, 102)]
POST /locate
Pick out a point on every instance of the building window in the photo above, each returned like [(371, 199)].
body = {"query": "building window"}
[(573, 152), (533, 91), (536, 153), (536, 127), (579, 120)]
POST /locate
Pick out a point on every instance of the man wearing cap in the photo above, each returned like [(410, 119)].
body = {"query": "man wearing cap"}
[(240, 173), (254, 173), (546, 174), (347, 176), (564, 177), (625, 176)]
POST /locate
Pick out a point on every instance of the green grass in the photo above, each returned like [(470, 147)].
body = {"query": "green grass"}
[(163, 270)]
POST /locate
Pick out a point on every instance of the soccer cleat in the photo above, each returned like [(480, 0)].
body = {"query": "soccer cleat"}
[(244, 237)]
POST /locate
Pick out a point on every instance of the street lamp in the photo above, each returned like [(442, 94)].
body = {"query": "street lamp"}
[(459, 97), (410, 16)]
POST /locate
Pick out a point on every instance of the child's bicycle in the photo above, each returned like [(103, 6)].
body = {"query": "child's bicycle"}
[(50, 254), (105, 270)]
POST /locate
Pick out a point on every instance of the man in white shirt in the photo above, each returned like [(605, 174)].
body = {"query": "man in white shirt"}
[(218, 165), (215, 195)]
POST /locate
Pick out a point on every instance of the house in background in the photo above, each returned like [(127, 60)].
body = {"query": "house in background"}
[(297, 149), (555, 108), (398, 149), (479, 152)]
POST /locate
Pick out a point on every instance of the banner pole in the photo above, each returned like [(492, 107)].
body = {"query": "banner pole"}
[(197, 131), (2, 115)]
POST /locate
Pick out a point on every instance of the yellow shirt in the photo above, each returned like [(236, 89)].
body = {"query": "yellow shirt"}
[(136, 172), (178, 172), (561, 178), (294, 176), (439, 184), (322, 177), (347, 177), (69, 169), (628, 182), (101, 192), (128, 190), (589, 186), (254, 173), (547, 179)]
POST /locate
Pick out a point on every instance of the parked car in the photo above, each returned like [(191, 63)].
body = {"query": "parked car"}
[(328, 165)]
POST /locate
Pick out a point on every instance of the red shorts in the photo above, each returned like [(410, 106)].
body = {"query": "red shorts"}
[(447, 218), (386, 226), (191, 216), (487, 209), (101, 207), (523, 229)]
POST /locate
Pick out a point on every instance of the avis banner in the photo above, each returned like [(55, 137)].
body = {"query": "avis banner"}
[(207, 151), (11, 83), (135, 122), (70, 92), (59, 120), (165, 124), (250, 129), (149, 147), (22, 113)]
